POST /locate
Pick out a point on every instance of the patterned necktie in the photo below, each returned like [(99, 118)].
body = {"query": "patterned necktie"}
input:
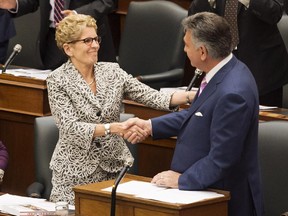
[(58, 7), (203, 85), (230, 15)]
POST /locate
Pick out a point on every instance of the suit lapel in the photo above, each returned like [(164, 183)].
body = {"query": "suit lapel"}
[(80, 85), (207, 92), (210, 89)]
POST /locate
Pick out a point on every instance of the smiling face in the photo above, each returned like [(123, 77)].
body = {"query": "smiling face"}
[(82, 53)]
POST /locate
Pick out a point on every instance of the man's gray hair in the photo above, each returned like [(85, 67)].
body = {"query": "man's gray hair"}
[(210, 30)]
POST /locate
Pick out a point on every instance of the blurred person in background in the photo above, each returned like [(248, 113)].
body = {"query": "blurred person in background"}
[(52, 11), (7, 31), (260, 45)]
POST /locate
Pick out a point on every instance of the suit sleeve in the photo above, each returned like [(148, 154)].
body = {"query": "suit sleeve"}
[(27, 6), (269, 11), (168, 125), (228, 131)]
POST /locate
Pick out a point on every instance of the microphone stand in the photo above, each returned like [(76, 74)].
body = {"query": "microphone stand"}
[(196, 76), (115, 185), (16, 50)]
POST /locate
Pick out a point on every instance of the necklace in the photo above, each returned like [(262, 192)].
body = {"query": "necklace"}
[(91, 82)]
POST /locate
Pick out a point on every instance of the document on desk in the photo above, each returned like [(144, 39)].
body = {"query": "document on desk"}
[(31, 73), (267, 108), (21, 205), (148, 190)]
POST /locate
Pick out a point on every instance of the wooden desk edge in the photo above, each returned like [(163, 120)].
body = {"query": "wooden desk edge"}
[(96, 189)]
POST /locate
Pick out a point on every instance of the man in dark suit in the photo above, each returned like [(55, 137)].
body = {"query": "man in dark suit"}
[(51, 56), (217, 136), (261, 46), (7, 31)]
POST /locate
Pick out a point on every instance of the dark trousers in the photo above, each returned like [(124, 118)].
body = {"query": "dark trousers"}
[(3, 51)]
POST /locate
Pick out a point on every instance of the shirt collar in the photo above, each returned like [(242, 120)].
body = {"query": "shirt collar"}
[(215, 69)]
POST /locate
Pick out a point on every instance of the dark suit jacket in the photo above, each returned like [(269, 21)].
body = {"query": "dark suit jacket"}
[(7, 31), (261, 46), (96, 8), (217, 139)]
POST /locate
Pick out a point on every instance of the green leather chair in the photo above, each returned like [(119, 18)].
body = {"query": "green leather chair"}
[(151, 45), (273, 154)]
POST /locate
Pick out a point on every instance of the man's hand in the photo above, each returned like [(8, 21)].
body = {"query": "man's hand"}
[(68, 12), (167, 178), (8, 4), (136, 130)]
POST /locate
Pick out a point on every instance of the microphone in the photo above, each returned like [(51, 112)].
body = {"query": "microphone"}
[(196, 76), (16, 50), (128, 163)]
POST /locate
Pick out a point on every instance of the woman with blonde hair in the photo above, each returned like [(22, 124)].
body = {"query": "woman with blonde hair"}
[(85, 98)]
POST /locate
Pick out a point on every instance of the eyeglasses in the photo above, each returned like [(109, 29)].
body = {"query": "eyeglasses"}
[(88, 41)]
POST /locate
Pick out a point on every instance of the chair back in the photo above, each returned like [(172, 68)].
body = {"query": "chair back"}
[(46, 137), (283, 28), (273, 154), (152, 40)]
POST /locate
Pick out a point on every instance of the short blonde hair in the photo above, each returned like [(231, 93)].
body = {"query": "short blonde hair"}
[(71, 27)]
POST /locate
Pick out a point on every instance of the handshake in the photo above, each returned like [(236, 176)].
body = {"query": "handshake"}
[(134, 130)]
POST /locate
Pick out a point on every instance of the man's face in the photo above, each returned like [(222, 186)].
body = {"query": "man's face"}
[(193, 53)]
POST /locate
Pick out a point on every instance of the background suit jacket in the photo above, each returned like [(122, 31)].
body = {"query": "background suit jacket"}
[(7, 31), (96, 8), (261, 46), (217, 139)]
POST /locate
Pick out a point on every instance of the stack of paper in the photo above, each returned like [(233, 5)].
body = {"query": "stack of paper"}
[(20, 205), (148, 190), (31, 73)]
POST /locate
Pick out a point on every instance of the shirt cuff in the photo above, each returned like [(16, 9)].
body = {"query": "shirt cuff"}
[(15, 10)]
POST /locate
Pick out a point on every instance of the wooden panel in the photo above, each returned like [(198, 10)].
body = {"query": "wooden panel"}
[(23, 95), (21, 101), (17, 135)]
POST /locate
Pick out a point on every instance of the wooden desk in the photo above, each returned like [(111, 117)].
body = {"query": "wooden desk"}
[(90, 200), (155, 156), (21, 101), (279, 114)]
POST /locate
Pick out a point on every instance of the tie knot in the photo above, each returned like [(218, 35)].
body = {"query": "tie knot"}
[(203, 85)]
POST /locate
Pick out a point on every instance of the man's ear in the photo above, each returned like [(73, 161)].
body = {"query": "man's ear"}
[(203, 52)]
